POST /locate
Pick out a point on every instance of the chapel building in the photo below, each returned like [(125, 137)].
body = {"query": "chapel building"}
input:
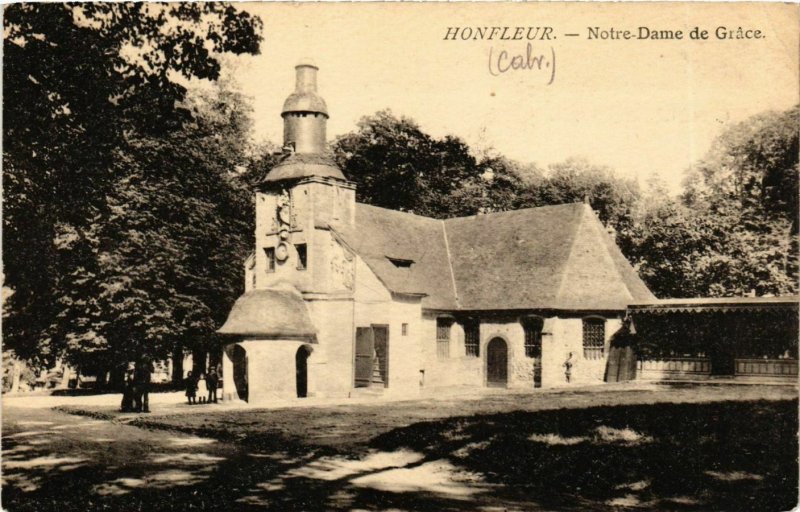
[(343, 298)]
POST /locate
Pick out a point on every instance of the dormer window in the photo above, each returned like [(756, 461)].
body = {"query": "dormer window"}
[(400, 262)]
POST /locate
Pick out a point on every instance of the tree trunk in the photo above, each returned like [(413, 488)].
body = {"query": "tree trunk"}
[(102, 378), (16, 375), (65, 376), (199, 362), (177, 364)]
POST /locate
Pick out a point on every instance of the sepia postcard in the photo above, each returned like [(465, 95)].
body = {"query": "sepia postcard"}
[(400, 256)]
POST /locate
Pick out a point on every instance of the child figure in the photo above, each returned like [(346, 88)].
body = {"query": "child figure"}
[(201, 385), (191, 388), (568, 367)]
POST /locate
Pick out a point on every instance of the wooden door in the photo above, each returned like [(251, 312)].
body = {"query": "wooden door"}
[(365, 350), (497, 363), (380, 334)]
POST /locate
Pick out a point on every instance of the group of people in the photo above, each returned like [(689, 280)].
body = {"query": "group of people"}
[(202, 382), (136, 392)]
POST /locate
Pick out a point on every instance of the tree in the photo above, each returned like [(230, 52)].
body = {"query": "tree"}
[(748, 183), (734, 229), (89, 90), (499, 187), (753, 164), (576, 180), (396, 165)]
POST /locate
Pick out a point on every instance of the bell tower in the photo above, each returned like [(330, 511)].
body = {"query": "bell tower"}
[(301, 197)]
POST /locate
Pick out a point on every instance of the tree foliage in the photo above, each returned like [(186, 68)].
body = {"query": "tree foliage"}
[(103, 162), (734, 229), (396, 165), (127, 206)]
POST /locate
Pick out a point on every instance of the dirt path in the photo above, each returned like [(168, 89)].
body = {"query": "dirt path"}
[(65, 462)]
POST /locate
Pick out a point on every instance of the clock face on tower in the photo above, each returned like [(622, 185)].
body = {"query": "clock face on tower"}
[(282, 252)]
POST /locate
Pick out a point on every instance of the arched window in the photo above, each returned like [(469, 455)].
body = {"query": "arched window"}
[(594, 337), (532, 326)]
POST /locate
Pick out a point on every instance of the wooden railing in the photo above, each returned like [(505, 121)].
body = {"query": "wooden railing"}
[(767, 368), (674, 368)]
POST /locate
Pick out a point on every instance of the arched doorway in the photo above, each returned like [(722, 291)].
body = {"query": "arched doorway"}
[(239, 359), (301, 370), (497, 363)]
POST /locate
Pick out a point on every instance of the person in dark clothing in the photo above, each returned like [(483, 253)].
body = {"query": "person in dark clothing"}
[(212, 382), (142, 378), (191, 388), (127, 392)]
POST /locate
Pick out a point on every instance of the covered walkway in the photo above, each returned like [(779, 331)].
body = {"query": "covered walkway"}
[(751, 338)]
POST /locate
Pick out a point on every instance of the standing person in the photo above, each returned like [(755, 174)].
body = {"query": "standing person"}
[(127, 391), (568, 367), (212, 381), (191, 388), (202, 386), (143, 376)]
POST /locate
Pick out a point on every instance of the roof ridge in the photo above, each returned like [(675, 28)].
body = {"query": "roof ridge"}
[(565, 262), (450, 265), (509, 212), (504, 212), (399, 212)]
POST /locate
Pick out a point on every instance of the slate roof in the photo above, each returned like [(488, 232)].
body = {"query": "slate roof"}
[(552, 257), (277, 312), (380, 234)]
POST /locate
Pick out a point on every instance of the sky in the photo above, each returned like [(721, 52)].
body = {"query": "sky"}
[(642, 107)]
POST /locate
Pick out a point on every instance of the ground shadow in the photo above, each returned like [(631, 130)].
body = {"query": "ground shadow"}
[(716, 456), (712, 456)]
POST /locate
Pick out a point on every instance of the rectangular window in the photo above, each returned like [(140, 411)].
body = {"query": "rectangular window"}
[(404, 329), (443, 337), (302, 256), (594, 338), (270, 253), (533, 337), (472, 337)]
